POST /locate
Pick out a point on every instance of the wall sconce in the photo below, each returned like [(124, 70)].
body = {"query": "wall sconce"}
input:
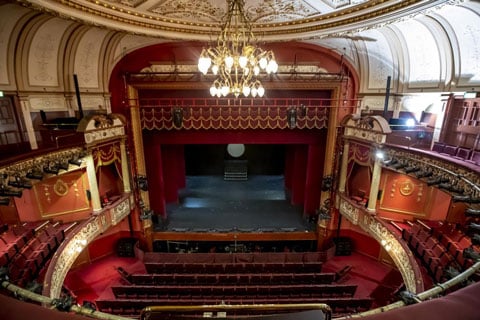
[(292, 118), (177, 117)]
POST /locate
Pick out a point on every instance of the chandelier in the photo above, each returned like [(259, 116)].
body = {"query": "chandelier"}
[(236, 61)]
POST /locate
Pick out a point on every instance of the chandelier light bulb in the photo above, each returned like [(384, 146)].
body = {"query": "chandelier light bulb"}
[(225, 90), (215, 69), (263, 63), (254, 92), (256, 70), (260, 91), (229, 62), (213, 91), (246, 91), (242, 61), (203, 64)]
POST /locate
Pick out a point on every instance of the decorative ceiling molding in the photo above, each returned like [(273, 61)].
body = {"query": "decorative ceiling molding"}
[(274, 20)]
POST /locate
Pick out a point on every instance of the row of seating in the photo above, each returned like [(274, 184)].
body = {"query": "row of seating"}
[(225, 278), (127, 307), (213, 268), (228, 291), (455, 240), (13, 239), (461, 153), (237, 257), (38, 243), (432, 252)]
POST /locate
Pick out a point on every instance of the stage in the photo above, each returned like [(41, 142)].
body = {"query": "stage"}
[(256, 209)]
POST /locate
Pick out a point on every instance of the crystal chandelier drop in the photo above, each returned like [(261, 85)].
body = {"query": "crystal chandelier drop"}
[(236, 61)]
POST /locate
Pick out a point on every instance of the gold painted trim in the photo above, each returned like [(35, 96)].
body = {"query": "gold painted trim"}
[(106, 10)]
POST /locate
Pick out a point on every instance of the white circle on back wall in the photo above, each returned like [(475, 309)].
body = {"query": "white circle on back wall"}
[(236, 150)]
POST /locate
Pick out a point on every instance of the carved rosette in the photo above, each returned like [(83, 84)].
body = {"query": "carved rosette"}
[(399, 252)]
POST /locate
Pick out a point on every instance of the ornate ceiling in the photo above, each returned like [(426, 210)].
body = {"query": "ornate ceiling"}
[(201, 19)]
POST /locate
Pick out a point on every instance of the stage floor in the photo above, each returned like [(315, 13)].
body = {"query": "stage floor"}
[(211, 204)]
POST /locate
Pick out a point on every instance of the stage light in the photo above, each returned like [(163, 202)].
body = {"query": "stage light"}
[(63, 164), (411, 169), (35, 174), (472, 212), (423, 174), (399, 165), (8, 192), (4, 201), (436, 180), (75, 161), (20, 183), (51, 168), (470, 253), (142, 183)]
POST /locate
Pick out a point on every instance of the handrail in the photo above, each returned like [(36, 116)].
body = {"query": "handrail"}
[(399, 251), (55, 303), (423, 296), (146, 312)]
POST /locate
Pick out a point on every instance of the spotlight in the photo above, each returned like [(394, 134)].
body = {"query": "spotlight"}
[(20, 183), (51, 168), (75, 161), (458, 198), (8, 192), (474, 226), (450, 187), (411, 169), (451, 272), (436, 180), (472, 212), (146, 214), (476, 239), (63, 165), (4, 201), (35, 174), (390, 162), (470, 253), (423, 174), (142, 183), (399, 165)]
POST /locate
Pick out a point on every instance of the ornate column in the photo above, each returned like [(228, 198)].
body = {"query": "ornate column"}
[(344, 167), (92, 183), (125, 170), (27, 119), (372, 198), (140, 168)]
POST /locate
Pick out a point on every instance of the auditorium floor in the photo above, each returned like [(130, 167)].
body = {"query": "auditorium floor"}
[(209, 203), (95, 280)]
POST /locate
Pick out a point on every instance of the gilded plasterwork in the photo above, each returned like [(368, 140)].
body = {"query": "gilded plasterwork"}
[(398, 251)]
